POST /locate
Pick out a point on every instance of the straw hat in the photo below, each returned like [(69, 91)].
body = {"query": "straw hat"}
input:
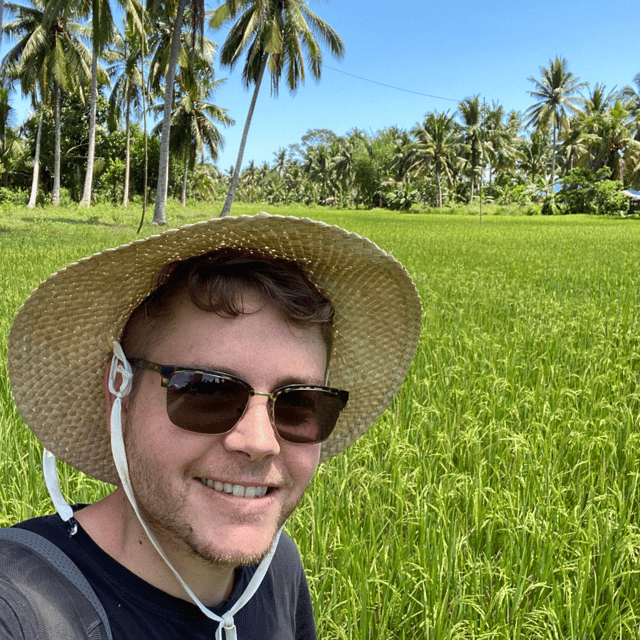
[(61, 338)]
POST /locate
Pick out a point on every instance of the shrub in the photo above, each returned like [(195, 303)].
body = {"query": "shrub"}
[(18, 197), (584, 191), (549, 208), (609, 199)]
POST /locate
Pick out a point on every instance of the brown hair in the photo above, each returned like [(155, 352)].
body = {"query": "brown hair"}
[(215, 281)]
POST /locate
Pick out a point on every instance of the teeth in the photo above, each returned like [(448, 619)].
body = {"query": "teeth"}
[(236, 489)]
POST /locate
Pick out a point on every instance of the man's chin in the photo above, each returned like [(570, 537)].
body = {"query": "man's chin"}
[(237, 550)]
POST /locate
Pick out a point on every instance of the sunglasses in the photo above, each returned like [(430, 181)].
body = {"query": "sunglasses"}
[(213, 402)]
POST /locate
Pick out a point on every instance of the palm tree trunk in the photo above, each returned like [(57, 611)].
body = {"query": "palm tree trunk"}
[(127, 157), (160, 215), (553, 167), (55, 196), (439, 189), (183, 196), (144, 126), (36, 167), (88, 176), (236, 173)]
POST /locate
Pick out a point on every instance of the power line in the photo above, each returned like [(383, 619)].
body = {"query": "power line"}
[(382, 84)]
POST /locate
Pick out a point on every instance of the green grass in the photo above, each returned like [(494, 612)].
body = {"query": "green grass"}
[(499, 495)]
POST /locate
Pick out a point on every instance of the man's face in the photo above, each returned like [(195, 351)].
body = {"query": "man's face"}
[(176, 474)]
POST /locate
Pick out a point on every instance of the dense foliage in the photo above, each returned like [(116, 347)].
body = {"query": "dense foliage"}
[(480, 151)]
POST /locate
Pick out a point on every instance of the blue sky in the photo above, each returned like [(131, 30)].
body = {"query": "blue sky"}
[(447, 49), (451, 50)]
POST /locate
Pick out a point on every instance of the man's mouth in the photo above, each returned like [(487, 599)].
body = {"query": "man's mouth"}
[(237, 490)]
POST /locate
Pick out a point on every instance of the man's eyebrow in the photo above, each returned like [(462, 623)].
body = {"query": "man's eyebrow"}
[(281, 382), (285, 382)]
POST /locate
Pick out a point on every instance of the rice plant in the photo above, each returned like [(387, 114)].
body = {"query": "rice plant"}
[(498, 497)]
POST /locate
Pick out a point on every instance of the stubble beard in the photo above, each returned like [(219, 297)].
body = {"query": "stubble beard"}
[(163, 512)]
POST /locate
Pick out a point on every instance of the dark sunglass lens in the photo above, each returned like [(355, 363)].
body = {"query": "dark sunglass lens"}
[(205, 402), (306, 416)]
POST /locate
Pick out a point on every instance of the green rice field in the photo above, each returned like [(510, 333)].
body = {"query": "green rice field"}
[(499, 496)]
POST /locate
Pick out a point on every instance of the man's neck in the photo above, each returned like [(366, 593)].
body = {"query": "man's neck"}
[(114, 527)]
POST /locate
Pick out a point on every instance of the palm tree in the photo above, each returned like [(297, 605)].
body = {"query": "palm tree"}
[(174, 12), (318, 166), (554, 95), (193, 129), (274, 33), (577, 142), (342, 163), (597, 100), (533, 156), (128, 88), (500, 137), (13, 149), (474, 138), (48, 59), (631, 97), (437, 147), (281, 162)]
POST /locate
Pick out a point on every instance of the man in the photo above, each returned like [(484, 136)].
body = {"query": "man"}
[(229, 357)]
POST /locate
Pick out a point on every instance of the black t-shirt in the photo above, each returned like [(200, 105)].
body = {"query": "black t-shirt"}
[(280, 609)]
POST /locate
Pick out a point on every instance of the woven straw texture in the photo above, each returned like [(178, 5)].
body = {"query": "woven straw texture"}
[(61, 339)]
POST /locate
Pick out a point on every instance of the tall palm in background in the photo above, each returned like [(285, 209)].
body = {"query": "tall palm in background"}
[(49, 57), (500, 133), (554, 92), (13, 148), (437, 147), (102, 34), (193, 130), (277, 34), (471, 114), (129, 89), (173, 11), (598, 100), (631, 97)]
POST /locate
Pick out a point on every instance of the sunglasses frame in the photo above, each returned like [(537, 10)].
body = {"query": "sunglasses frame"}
[(166, 371)]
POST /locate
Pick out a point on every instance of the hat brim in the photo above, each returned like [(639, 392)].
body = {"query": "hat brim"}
[(61, 338)]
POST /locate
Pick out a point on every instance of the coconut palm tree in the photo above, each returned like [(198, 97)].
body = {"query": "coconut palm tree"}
[(319, 167), (174, 13), (554, 94), (276, 34), (534, 155), (631, 98), (193, 129), (474, 139), (500, 133), (13, 148), (342, 151), (129, 89), (49, 58), (103, 31), (437, 147), (597, 100)]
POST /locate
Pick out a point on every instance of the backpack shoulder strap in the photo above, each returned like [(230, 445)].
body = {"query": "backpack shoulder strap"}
[(60, 561)]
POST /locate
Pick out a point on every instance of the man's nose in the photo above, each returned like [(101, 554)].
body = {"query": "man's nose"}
[(254, 435)]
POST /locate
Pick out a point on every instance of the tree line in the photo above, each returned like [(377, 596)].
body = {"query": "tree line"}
[(94, 86), (160, 62)]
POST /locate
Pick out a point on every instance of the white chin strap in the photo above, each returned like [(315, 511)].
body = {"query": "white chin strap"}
[(121, 367)]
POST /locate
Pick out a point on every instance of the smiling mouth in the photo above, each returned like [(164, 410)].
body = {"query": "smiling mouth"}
[(237, 490)]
